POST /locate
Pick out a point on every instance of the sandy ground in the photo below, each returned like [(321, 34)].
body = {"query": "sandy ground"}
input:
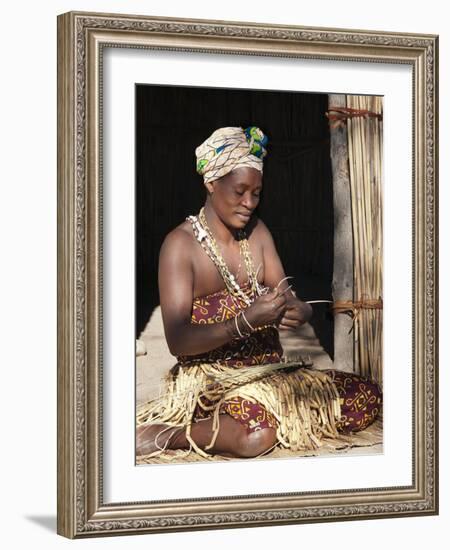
[(157, 360)]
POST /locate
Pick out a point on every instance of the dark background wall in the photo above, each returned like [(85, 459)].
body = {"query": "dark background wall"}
[(297, 200)]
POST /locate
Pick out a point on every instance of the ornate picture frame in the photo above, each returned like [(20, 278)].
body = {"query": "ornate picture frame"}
[(82, 40)]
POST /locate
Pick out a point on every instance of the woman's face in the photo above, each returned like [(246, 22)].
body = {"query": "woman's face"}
[(235, 196)]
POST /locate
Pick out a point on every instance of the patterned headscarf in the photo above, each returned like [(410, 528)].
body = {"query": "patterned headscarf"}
[(229, 148)]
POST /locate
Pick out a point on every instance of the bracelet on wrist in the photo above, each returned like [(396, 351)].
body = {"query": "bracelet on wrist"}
[(244, 330), (252, 329), (240, 328)]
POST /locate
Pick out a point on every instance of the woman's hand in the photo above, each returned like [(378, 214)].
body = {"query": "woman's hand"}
[(266, 309), (296, 314)]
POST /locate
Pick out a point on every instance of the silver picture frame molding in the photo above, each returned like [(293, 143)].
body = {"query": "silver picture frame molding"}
[(81, 39)]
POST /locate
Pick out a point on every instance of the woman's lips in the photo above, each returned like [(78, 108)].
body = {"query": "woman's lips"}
[(244, 216)]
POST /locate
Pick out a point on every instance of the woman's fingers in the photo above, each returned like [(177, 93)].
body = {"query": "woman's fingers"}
[(286, 328), (278, 298), (279, 309), (294, 314), (290, 323)]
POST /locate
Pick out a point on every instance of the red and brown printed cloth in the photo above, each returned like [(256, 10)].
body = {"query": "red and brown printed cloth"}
[(361, 400), (260, 347)]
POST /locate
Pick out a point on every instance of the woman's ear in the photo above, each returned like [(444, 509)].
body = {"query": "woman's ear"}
[(210, 187)]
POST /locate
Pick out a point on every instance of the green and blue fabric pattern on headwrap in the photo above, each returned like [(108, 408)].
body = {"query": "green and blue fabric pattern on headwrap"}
[(258, 141), (228, 148)]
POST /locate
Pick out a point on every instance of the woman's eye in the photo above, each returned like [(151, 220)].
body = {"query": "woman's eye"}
[(242, 193)]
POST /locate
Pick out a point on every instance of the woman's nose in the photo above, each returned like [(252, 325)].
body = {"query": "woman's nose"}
[(250, 201)]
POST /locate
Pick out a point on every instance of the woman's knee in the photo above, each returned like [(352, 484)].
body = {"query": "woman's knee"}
[(255, 443)]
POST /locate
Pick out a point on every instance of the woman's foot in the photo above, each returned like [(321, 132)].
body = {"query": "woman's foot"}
[(153, 437), (232, 441)]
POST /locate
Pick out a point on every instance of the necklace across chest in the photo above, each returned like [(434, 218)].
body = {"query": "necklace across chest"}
[(209, 244)]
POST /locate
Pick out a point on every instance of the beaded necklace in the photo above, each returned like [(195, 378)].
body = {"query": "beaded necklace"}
[(209, 244)]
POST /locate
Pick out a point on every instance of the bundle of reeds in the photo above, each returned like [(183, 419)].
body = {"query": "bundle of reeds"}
[(365, 147)]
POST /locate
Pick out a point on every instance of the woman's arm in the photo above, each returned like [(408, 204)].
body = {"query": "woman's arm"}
[(176, 284)]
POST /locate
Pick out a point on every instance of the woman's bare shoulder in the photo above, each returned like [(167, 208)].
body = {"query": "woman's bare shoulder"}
[(257, 230), (179, 240)]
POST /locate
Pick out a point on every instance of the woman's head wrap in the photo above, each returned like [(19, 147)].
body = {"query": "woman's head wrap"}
[(229, 148)]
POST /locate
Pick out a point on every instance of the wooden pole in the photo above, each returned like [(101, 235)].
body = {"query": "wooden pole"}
[(343, 240)]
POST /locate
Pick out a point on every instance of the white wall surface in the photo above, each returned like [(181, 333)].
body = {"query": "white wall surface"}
[(28, 270)]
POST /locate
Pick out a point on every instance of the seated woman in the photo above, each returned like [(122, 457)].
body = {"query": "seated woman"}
[(232, 393)]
